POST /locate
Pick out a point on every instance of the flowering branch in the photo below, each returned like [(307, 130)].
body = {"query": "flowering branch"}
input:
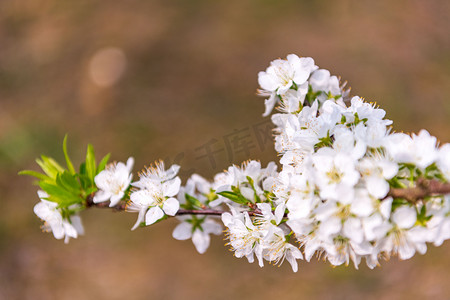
[(337, 156)]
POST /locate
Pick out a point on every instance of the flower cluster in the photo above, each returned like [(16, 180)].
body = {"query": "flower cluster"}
[(154, 195), (63, 223), (262, 236), (113, 182), (349, 186), (339, 163), (197, 194)]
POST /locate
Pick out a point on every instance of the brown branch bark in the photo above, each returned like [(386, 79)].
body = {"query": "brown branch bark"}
[(424, 188)]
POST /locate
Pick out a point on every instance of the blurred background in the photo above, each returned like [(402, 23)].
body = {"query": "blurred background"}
[(176, 80)]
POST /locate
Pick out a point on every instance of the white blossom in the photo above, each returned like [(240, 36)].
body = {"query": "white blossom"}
[(54, 222), (282, 74), (277, 248), (404, 238), (154, 197), (198, 231), (113, 182), (443, 160), (243, 236)]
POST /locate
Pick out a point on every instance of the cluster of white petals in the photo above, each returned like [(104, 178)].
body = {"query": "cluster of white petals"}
[(113, 182), (237, 177), (197, 193), (62, 227), (339, 163), (262, 236), (154, 194)]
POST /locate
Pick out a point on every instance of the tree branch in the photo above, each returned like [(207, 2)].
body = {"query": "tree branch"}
[(123, 207), (423, 189)]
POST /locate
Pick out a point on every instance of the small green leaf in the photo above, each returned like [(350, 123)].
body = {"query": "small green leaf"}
[(397, 202), (103, 162), (234, 197), (83, 168), (396, 183), (252, 184), (422, 217), (66, 155), (192, 201), (52, 163), (250, 180), (48, 168), (35, 174), (230, 195), (84, 178), (269, 195), (60, 195), (90, 164), (91, 190), (68, 182), (211, 196)]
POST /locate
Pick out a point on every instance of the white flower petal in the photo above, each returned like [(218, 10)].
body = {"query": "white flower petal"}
[(154, 214), (385, 207), (171, 187), (377, 186), (171, 206), (101, 196), (183, 231), (76, 222), (269, 104), (115, 199), (141, 217), (130, 163), (406, 251), (279, 212), (211, 227), (405, 217), (201, 241), (58, 230)]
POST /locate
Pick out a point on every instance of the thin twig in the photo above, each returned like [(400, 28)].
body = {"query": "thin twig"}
[(423, 189)]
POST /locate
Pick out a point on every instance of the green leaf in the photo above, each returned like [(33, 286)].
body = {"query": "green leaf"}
[(66, 155), (192, 201), (234, 197), (252, 184), (250, 180), (68, 182), (60, 195), (396, 183), (49, 166), (84, 178), (422, 217), (83, 168), (90, 164), (35, 174), (397, 202), (103, 162), (269, 195), (211, 196), (91, 190), (52, 163)]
